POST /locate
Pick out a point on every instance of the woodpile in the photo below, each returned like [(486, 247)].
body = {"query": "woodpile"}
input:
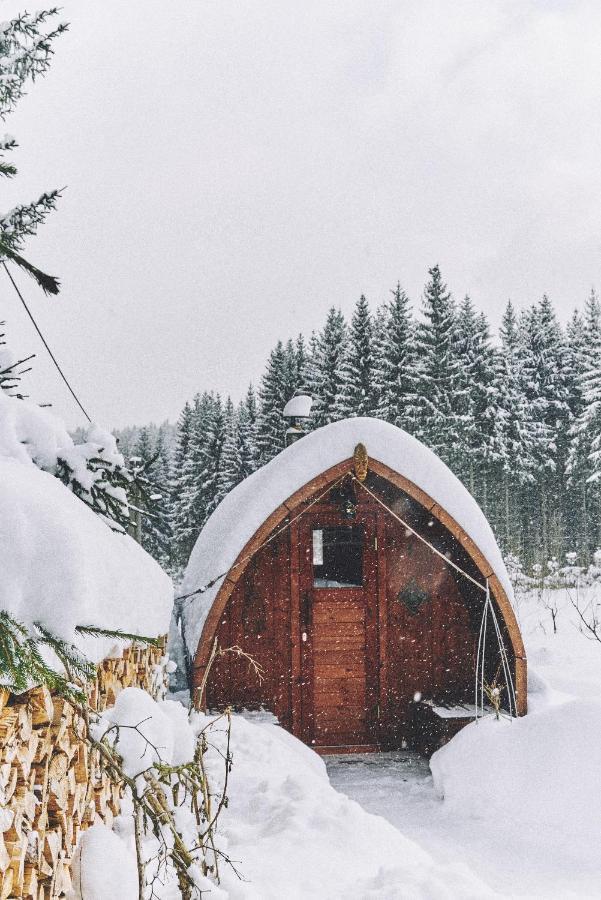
[(51, 785)]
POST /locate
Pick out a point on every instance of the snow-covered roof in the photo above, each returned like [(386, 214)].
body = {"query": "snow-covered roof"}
[(246, 507), (299, 407), (61, 564)]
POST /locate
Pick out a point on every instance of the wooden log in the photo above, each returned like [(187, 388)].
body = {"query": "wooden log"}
[(82, 768), (62, 881), (7, 884), (17, 851), (9, 720), (53, 842), (4, 855), (42, 706), (30, 881)]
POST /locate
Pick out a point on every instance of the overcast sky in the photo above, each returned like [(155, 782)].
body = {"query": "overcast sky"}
[(235, 168)]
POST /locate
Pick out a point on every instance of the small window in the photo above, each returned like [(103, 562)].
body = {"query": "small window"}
[(338, 556)]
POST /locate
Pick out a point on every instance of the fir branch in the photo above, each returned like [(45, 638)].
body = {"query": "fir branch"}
[(118, 634), (48, 283)]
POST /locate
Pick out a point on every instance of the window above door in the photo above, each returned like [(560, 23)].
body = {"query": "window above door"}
[(338, 556)]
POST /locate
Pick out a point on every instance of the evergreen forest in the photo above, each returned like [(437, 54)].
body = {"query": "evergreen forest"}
[(517, 418)]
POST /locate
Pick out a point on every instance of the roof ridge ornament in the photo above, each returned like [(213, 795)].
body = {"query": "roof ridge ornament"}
[(361, 462)]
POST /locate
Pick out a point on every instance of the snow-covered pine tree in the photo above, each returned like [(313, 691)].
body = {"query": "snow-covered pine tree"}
[(356, 394), (247, 433), (182, 490), (152, 459), (436, 422), (575, 513), (378, 337), (584, 463), (516, 434), (275, 391), (478, 405), (543, 352), (324, 378), (229, 474), (26, 50), (300, 364), (395, 372), (206, 444)]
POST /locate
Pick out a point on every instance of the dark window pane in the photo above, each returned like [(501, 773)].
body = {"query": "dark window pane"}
[(338, 556)]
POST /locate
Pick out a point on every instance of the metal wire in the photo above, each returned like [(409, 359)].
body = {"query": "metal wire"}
[(45, 343), (434, 549)]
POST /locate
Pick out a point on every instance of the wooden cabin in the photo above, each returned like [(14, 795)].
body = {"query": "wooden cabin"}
[(356, 574)]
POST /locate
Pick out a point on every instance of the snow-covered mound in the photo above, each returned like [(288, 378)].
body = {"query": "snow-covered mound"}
[(61, 564), (545, 768), (246, 507), (523, 796)]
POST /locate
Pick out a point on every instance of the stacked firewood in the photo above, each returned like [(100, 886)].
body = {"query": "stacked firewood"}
[(52, 785)]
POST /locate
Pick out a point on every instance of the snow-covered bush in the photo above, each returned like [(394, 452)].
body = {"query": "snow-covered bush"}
[(579, 585), (170, 808), (94, 470)]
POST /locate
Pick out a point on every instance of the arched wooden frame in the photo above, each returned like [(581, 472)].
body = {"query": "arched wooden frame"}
[(306, 493)]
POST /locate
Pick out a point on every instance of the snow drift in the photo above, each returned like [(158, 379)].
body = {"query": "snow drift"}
[(61, 563), (246, 507)]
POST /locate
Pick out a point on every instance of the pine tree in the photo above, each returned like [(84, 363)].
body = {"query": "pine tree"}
[(247, 433), (182, 490), (206, 444), (545, 388), (231, 464), (152, 459), (516, 464), (395, 372), (575, 513), (26, 50), (438, 370), (324, 369), (356, 395), (275, 391), (584, 461), (478, 404), (300, 365)]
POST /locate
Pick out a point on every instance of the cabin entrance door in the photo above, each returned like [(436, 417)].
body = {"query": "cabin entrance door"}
[(338, 631)]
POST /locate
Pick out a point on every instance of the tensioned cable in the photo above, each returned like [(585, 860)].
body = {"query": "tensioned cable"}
[(44, 342), (421, 538), (210, 584)]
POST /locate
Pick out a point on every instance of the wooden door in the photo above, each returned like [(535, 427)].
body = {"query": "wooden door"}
[(339, 633)]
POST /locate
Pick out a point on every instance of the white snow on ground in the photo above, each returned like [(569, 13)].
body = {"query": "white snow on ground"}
[(247, 506), (92, 875)]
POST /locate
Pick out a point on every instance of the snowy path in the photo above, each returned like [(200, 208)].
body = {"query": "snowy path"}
[(398, 786), (395, 785)]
